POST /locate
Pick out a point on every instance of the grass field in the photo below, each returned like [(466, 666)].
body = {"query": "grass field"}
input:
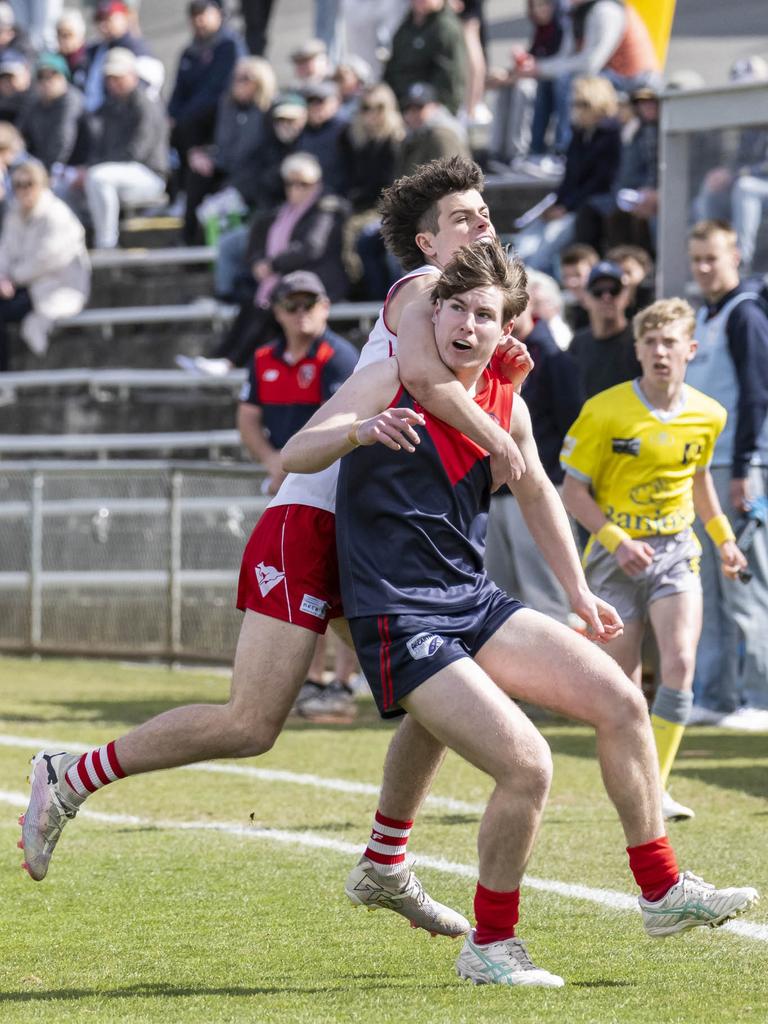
[(202, 896)]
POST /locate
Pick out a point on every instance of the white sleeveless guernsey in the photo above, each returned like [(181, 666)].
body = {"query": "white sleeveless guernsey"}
[(319, 489)]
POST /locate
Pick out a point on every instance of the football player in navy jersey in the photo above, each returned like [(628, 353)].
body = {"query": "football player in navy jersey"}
[(438, 640)]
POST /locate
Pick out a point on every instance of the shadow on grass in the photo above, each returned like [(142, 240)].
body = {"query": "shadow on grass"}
[(751, 780), (601, 983), (161, 990)]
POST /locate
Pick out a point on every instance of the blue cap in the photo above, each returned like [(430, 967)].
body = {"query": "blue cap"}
[(605, 269)]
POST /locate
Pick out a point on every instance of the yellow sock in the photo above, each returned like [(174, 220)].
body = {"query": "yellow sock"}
[(668, 736)]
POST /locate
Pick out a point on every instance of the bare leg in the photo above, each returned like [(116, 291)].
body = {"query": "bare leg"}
[(316, 668), (476, 68), (536, 659), (627, 650), (463, 708), (676, 622), (271, 663)]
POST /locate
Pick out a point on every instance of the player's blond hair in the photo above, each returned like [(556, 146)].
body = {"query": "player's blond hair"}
[(661, 313), (484, 264)]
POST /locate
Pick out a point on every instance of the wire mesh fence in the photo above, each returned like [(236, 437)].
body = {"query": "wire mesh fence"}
[(136, 559)]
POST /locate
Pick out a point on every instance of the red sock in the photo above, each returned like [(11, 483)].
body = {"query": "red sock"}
[(389, 838), (654, 866), (95, 769), (496, 914)]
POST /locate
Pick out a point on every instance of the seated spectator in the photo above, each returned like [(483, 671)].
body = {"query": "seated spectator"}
[(429, 47), (12, 35), (204, 73), (70, 38), (226, 171), (576, 262), (370, 148), (352, 76), (54, 123), (546, 305), (591, 165), (431, 130), (603, 37), (304, 234), (638, 268), (113, 23), (15, 86), (627, 215), (302, 357), (129, 154), (44, 269), (11, 150), (321, 135), (524, 106), (310, 63), (605, 351)]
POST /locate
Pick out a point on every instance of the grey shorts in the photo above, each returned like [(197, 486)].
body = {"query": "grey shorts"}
[(674, 570)]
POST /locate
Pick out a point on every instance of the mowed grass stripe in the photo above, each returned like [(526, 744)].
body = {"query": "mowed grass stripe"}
[(602, 897), (348, 786)]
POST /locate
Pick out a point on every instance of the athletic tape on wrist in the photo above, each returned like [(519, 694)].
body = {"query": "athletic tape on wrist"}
[(352, 437), (611, 535), (719, 529)]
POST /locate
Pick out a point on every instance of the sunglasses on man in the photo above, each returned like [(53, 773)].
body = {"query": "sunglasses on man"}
[(614, 290), (298, 305)]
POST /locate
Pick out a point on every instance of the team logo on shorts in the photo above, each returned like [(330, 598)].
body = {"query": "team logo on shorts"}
[(314, 606), (424, 645), (268, 577)]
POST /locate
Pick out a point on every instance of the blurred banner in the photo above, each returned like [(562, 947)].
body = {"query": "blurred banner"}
[(657, 15)]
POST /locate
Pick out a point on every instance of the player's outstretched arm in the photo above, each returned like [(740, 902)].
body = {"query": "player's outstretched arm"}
[(434, 386), (709, 511), (548, 524), (357, 414)]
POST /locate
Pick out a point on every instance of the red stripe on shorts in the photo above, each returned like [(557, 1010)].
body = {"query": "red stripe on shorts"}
[(390, 698)]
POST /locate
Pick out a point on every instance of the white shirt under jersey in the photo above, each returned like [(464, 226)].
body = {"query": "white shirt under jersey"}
[(319, 489)]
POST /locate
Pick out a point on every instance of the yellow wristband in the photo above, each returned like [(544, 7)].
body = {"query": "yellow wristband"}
[(719, 529), (352, 437), (611, 535)]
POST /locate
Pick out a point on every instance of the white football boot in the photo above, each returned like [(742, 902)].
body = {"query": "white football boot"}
[(52, 803), (502, 963), (693, 903)]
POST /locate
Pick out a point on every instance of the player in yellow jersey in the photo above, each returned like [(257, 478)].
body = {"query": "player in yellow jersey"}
[(636, 463)]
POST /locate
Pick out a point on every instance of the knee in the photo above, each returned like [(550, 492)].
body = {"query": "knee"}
[(679, 668), (626, 708), (250, 733), (530, 770)]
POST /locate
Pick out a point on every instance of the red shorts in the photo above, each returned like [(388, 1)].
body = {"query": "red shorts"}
[(290, 570)]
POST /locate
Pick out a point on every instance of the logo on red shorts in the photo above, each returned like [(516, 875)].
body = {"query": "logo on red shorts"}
[(268, 577)]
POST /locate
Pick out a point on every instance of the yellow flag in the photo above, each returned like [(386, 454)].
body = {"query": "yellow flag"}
[(657, 15)]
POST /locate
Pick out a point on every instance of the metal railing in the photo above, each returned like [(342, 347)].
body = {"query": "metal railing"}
[(135, 559)]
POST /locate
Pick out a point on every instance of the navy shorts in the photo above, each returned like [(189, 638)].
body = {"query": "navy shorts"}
[(400, 652)]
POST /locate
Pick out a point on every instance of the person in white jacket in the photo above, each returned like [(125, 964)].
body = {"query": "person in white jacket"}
[(44, 269)]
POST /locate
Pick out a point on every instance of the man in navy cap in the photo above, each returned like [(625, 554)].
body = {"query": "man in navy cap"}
[(605, 351)]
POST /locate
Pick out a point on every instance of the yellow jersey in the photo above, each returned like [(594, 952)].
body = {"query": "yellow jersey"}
[(640, 462)]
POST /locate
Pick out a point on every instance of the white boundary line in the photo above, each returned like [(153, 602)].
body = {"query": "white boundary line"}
[(602, 897)]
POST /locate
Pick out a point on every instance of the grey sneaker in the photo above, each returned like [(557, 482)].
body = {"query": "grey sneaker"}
[(51, 804), (403, 893), (309, 690), (674, 811), (692, 903), (502, 963), (335, 702)]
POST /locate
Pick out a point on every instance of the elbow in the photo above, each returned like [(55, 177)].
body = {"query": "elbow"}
[(290, 458), (417, 382)]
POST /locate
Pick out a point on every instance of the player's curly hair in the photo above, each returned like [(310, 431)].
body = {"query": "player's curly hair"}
[(480, 265), (409, 205), (661, 313)]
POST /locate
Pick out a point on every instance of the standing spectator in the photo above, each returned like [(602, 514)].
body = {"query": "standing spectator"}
[(15, 87), (731, 365), (551, 392), (256, 15), (54, 122), (591, 165), (429, 47), (44, 270), (367, 28), (305, 233), (749, 200), (70, 37), (228, 168), (576, 262), (324, 127), (546, 304), (470, 14), (38, 19), (113, 22), (204, 71), (605, 351), (637, 266), (129, 154), (432, 131)]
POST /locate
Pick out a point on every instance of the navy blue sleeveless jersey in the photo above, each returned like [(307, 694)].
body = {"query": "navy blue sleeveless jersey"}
[(410, 527)]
